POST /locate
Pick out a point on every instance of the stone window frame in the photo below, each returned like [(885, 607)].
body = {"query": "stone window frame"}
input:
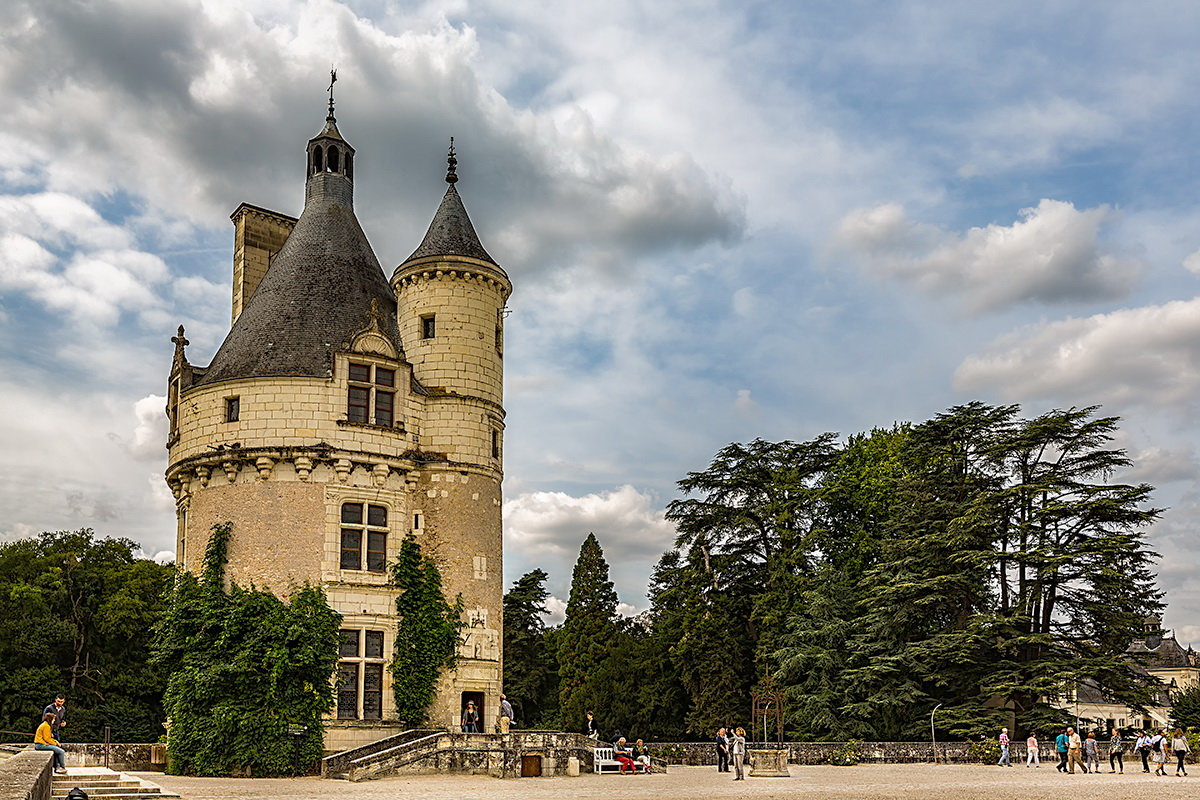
[(233, 408), (365, 661), (428, 326), (373, 389), (364, 528)]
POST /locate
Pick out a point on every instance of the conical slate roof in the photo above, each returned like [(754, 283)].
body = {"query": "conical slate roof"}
[(451, 232), (315, 295)]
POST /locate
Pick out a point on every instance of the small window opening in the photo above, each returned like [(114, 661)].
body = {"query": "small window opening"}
[(495, 444), (332, 157), (417, 521), (233, 408), (350, 165), (499, 341), (428, 326), (316, 165)]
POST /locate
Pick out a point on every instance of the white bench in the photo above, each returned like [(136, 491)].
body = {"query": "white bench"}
[(604, 761)]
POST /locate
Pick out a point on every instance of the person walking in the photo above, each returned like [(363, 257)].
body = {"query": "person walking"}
[(737, 753), (1179, 746), (44, 740), (470, 718), (1074, 751), (1031, 751), (1158, 753), (59, 709), (1061, 743), (506, 714), (1116, 751), (1091, 753), (1143, 748), (722, 751), (1004, 761)]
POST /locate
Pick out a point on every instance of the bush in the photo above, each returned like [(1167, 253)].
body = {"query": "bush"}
[(846, 755), (986, 751)]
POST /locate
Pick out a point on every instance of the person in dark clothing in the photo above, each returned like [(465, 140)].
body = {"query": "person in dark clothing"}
[(589, 727), (59, 709), (470, 719), (722, 751)]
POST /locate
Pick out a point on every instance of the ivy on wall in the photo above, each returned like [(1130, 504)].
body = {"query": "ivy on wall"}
[(427, 632), (246, 668)]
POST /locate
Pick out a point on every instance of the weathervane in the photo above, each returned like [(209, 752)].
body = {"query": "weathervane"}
[(332, 81), (451, 165)]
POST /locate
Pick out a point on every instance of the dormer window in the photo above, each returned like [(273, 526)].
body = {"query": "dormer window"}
[(371, 395)]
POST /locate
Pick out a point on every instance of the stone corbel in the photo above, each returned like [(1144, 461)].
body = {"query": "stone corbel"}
[(264, 466), (231, 470), (380, 473), (343, 467), (175, 487), (202, 474), (304, 467)]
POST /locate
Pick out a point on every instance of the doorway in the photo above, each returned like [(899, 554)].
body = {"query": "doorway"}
[(477, 699)]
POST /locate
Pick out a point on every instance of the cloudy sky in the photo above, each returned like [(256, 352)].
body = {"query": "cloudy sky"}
[(724, 220)]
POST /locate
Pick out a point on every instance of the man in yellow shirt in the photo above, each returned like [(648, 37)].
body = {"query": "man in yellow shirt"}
[(44, 740)]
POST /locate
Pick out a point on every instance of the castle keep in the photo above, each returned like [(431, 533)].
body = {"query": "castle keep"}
[(343, 413)]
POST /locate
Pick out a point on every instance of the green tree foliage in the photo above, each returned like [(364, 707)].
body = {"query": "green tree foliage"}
[(588, 633), (427, 632), (76, 613), (245, 667), (530, 672), (1185, 711)]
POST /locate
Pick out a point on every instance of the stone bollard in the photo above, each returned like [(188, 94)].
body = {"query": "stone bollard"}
[(572, 767), (769, 764)]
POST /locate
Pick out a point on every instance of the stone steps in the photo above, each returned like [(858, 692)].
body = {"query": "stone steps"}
[(105, 784)]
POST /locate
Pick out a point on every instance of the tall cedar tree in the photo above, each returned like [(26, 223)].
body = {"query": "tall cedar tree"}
[(427, 632), (743, 555), (245, 667), (587, 636), (76, 616), (530, 678)]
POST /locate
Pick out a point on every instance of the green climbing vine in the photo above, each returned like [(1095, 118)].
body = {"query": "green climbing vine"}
[(427, 632), (246, 668)]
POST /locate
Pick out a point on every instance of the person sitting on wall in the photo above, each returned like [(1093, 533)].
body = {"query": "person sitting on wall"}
[(590, 729), (44, 740), (470, 719)]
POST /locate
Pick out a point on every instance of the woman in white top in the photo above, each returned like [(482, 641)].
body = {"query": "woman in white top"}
[(737, 752), (1158, 753), (1031, 750), (1179, 745)]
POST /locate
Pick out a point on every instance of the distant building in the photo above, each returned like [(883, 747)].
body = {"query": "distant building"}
[(1154, 652), (344, 412)]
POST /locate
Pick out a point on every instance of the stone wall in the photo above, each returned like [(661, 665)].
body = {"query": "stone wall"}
[(121, 757), (701, 754), (26, 775)]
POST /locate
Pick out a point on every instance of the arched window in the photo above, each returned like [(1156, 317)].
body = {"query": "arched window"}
[(350, 166), (316, 165), (332, 159)]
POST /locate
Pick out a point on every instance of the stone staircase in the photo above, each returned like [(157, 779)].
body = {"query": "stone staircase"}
[(348, 762), (105, 784)]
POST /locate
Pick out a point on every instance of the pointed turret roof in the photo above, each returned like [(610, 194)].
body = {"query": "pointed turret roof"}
[(451, 232), (316, 295)]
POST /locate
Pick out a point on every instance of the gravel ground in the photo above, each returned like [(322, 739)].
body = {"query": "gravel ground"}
[(924, 781)]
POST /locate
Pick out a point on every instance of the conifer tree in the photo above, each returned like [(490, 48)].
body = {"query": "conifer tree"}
[(529, 672), (587, 635)]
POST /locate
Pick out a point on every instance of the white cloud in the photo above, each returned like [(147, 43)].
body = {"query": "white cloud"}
[(150, 435), (1053, 254), (1147, 356), (545, 529), (1192, 262)]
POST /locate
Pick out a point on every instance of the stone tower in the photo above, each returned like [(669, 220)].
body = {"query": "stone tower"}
[(342, 414)]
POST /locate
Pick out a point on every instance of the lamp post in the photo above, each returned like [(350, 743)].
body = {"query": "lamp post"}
[(932, 734)]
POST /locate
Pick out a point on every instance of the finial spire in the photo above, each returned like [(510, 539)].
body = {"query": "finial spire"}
[(332, 81), (451, 165)]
